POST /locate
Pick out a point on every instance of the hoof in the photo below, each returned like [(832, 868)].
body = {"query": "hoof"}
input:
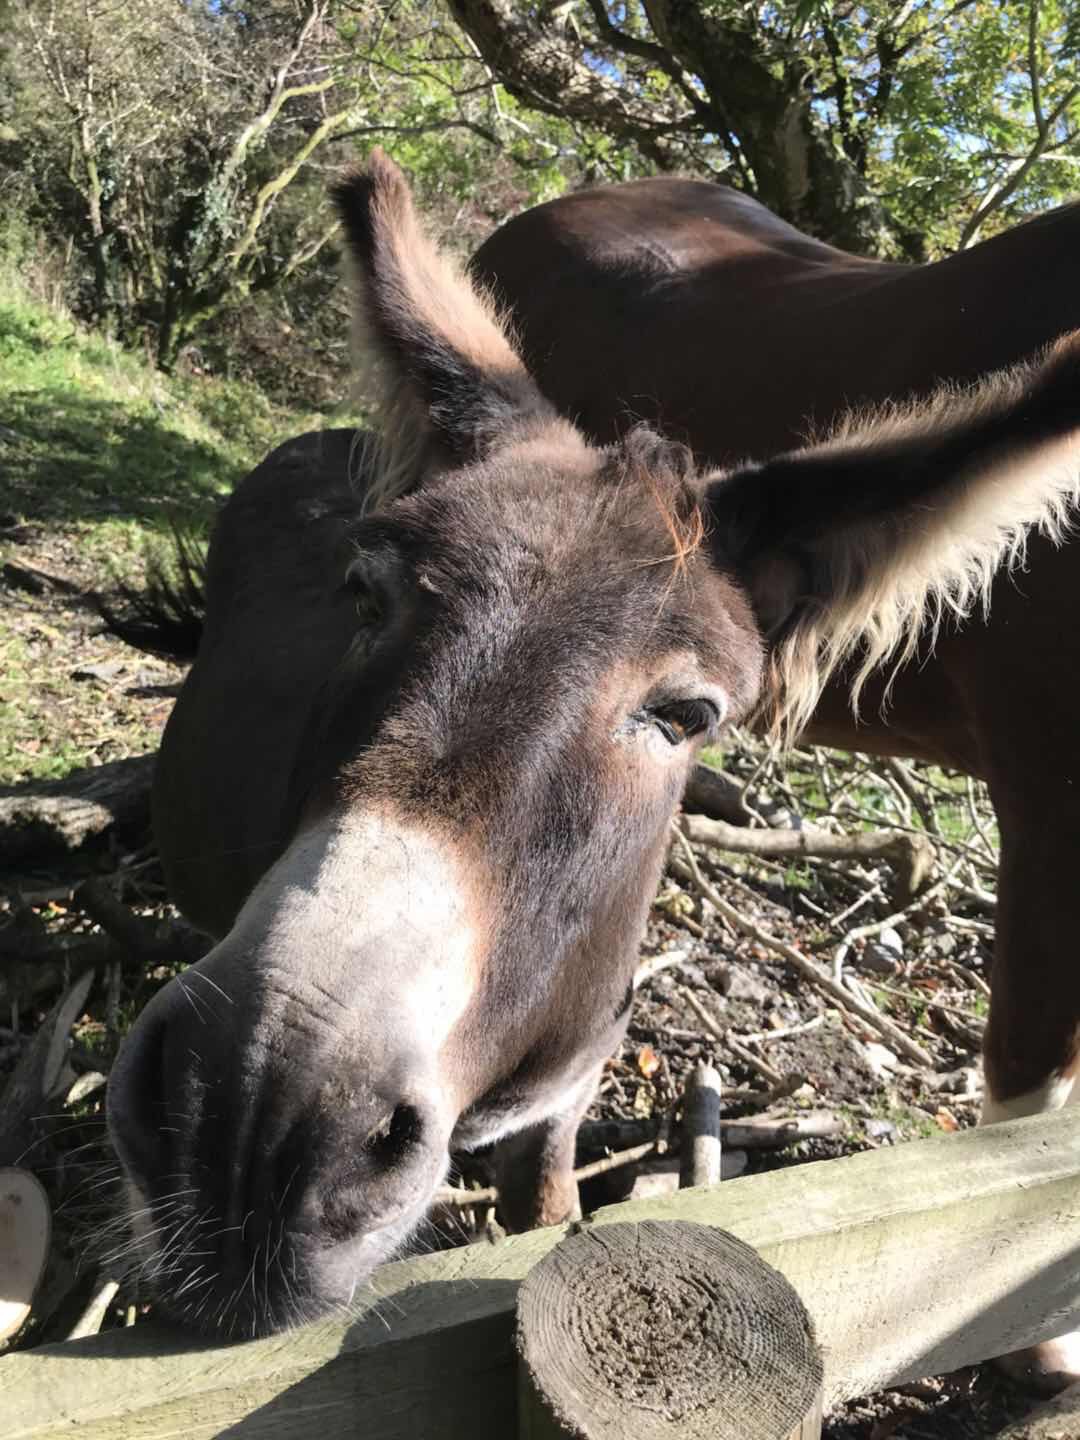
[(560, 1204), (556, 1202), (1052, 1366)]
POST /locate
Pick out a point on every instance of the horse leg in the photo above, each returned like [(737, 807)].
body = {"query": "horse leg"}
[(1031, 1047), (534, 1169)]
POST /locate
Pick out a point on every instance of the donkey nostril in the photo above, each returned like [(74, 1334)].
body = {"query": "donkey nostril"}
[(395, 1135)]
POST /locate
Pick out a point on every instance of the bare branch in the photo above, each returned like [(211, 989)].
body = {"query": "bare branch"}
[(1033, 65), (803, 965), (645, 50), (1003, 189)]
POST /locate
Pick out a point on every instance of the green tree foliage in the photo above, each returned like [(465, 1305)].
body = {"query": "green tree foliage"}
[(183, 148), (177, 152), (983, 124), (891, 127)]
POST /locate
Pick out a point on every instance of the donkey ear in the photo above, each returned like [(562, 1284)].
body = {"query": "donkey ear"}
[(863, 544), (447, 381)]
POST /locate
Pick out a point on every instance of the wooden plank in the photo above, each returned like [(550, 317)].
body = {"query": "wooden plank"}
[(1057, 1420), (911, 1261)]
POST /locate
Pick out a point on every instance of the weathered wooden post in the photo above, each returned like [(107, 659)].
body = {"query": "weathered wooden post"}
[(25, 1231), (664, 1330), (701, 1158)]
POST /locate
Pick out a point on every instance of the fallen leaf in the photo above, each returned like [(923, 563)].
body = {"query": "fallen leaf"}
[(648, 1062)]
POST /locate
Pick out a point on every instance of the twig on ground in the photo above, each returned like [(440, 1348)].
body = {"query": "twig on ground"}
[(463, 1198), (654, 964), (95, 899), (489, 1195), (764, 1134), (614, 1162), (809, 969), (918, 997), (973, 979), (911, 856), (34, 961), (875, 927), (969, 1035), (775, 1134), (977, 927), (974, 892), (976, 822), (900, 773), (754, 1062), (93, 1317), (786, 1031), (874, 893)]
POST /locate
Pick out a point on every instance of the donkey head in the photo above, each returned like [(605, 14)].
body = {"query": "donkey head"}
[(544, 635)]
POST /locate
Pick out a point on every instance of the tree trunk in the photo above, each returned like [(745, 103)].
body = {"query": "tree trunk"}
[(798, 172), (763, 112)]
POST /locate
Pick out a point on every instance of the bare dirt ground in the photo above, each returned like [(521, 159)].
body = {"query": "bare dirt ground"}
[(715, 994)]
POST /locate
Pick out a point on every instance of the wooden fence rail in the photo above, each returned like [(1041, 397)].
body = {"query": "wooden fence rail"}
[(910, 1261)]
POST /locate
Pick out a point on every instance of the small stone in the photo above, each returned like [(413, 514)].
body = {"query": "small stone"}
[(879, 959), (717, 975), (743, 984), (965, 1082), (693, 974), (890, 939), (880, 1059), (103, 674)]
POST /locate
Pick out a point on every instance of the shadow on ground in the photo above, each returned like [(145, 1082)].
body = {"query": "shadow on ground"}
[(90, 458)]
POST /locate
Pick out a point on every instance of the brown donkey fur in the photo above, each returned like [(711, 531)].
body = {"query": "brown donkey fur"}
[(420, 779)]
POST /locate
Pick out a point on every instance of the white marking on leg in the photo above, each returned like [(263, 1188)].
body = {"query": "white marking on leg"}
[(1055, 1092)]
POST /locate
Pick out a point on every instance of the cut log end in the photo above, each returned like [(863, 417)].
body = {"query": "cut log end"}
[(25, 1226), (664, 1329)]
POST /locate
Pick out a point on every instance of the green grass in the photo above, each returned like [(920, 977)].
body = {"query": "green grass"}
[(910, 1122), (99, 456), (92, 436)]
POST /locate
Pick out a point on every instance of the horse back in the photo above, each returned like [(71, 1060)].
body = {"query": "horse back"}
[(693, 307)]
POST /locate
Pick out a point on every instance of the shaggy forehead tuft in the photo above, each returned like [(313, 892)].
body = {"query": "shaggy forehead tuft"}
[(660, 476)]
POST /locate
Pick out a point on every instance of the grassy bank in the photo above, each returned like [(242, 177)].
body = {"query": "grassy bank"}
[(99, 455)]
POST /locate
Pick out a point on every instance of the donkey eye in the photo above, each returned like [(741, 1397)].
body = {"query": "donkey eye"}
[(367, 600), (683, 719)]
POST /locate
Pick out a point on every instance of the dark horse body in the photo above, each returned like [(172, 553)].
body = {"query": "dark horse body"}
[(420, 779)]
